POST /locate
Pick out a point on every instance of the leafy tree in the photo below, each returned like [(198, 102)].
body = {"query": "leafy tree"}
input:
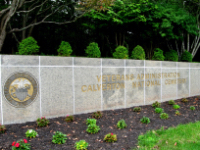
[(186, 56), (138, 53), (158, 54), (121, 52), (41, 11), (28, 46), (171, 55), (65, 49), (93, 50)]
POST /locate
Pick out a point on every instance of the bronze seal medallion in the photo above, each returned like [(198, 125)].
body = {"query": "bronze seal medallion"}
[(20, 89)]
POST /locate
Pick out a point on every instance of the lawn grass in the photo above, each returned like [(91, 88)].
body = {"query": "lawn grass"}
[(182, 137)]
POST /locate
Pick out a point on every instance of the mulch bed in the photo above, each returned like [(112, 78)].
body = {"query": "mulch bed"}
[(126, 138)]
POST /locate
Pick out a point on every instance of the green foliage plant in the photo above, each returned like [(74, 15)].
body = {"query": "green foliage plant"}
[(42, 122), (97, 115), (59, 138), (192, 108), (149, 139), (184, 100), (28, 46), (158, 110), (69, 118), (81, 145), (137, 109), (121, 52), (91, 121), (30, 133), (21, 145), (93, 128), (145, 120), (171, 55), (186, 56), (164, 116), (121, 124), (158, 55), (110, 137), (156, 104), (177, 113), (171, 102), (138, 53), (2, 129), (64, 49), (176, 106), (93, 50)]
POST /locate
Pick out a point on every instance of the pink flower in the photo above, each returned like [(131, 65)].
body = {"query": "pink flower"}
[(111, 133), (17, 145), (41, 117), (67, 115), (13, 143), (25, 141)]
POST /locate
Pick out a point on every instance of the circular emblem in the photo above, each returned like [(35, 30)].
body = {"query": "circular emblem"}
[(20, 89)]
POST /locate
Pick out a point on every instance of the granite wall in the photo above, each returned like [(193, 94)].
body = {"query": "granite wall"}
[(35, 86)]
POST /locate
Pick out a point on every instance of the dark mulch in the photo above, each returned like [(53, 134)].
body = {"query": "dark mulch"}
[(126, 138)]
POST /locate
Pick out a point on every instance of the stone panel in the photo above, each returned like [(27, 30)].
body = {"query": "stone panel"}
[(55, 61), (12, 114), (152, 85), (56, 91), (134, 87), (195, 65), (169, 84), (183, 83), (168, 64), (149, 63), (87, 89), (87, 61), (183, 65), (113, 63), (134, 63), (194, 82), (16, 60), (113, 88)]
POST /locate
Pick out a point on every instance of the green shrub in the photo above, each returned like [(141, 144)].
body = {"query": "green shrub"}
[(93, 50), (148, 140), (171, 102), (69, 118), (145, 120), (176, 106), (137, 109), (59, 138), (158, 110), (184, 100), (93, 128), (164, 116), (2, 129), (65, 49), (91, 121), (121, 52), (177, 113), (97, 115), (42, 122), (192, 108), (186, 56), (28, 46), (110, 137), (81, 145), (31, 133), (158, 54), (171, 55), (156, 104), (121, 124), (138, 53)]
